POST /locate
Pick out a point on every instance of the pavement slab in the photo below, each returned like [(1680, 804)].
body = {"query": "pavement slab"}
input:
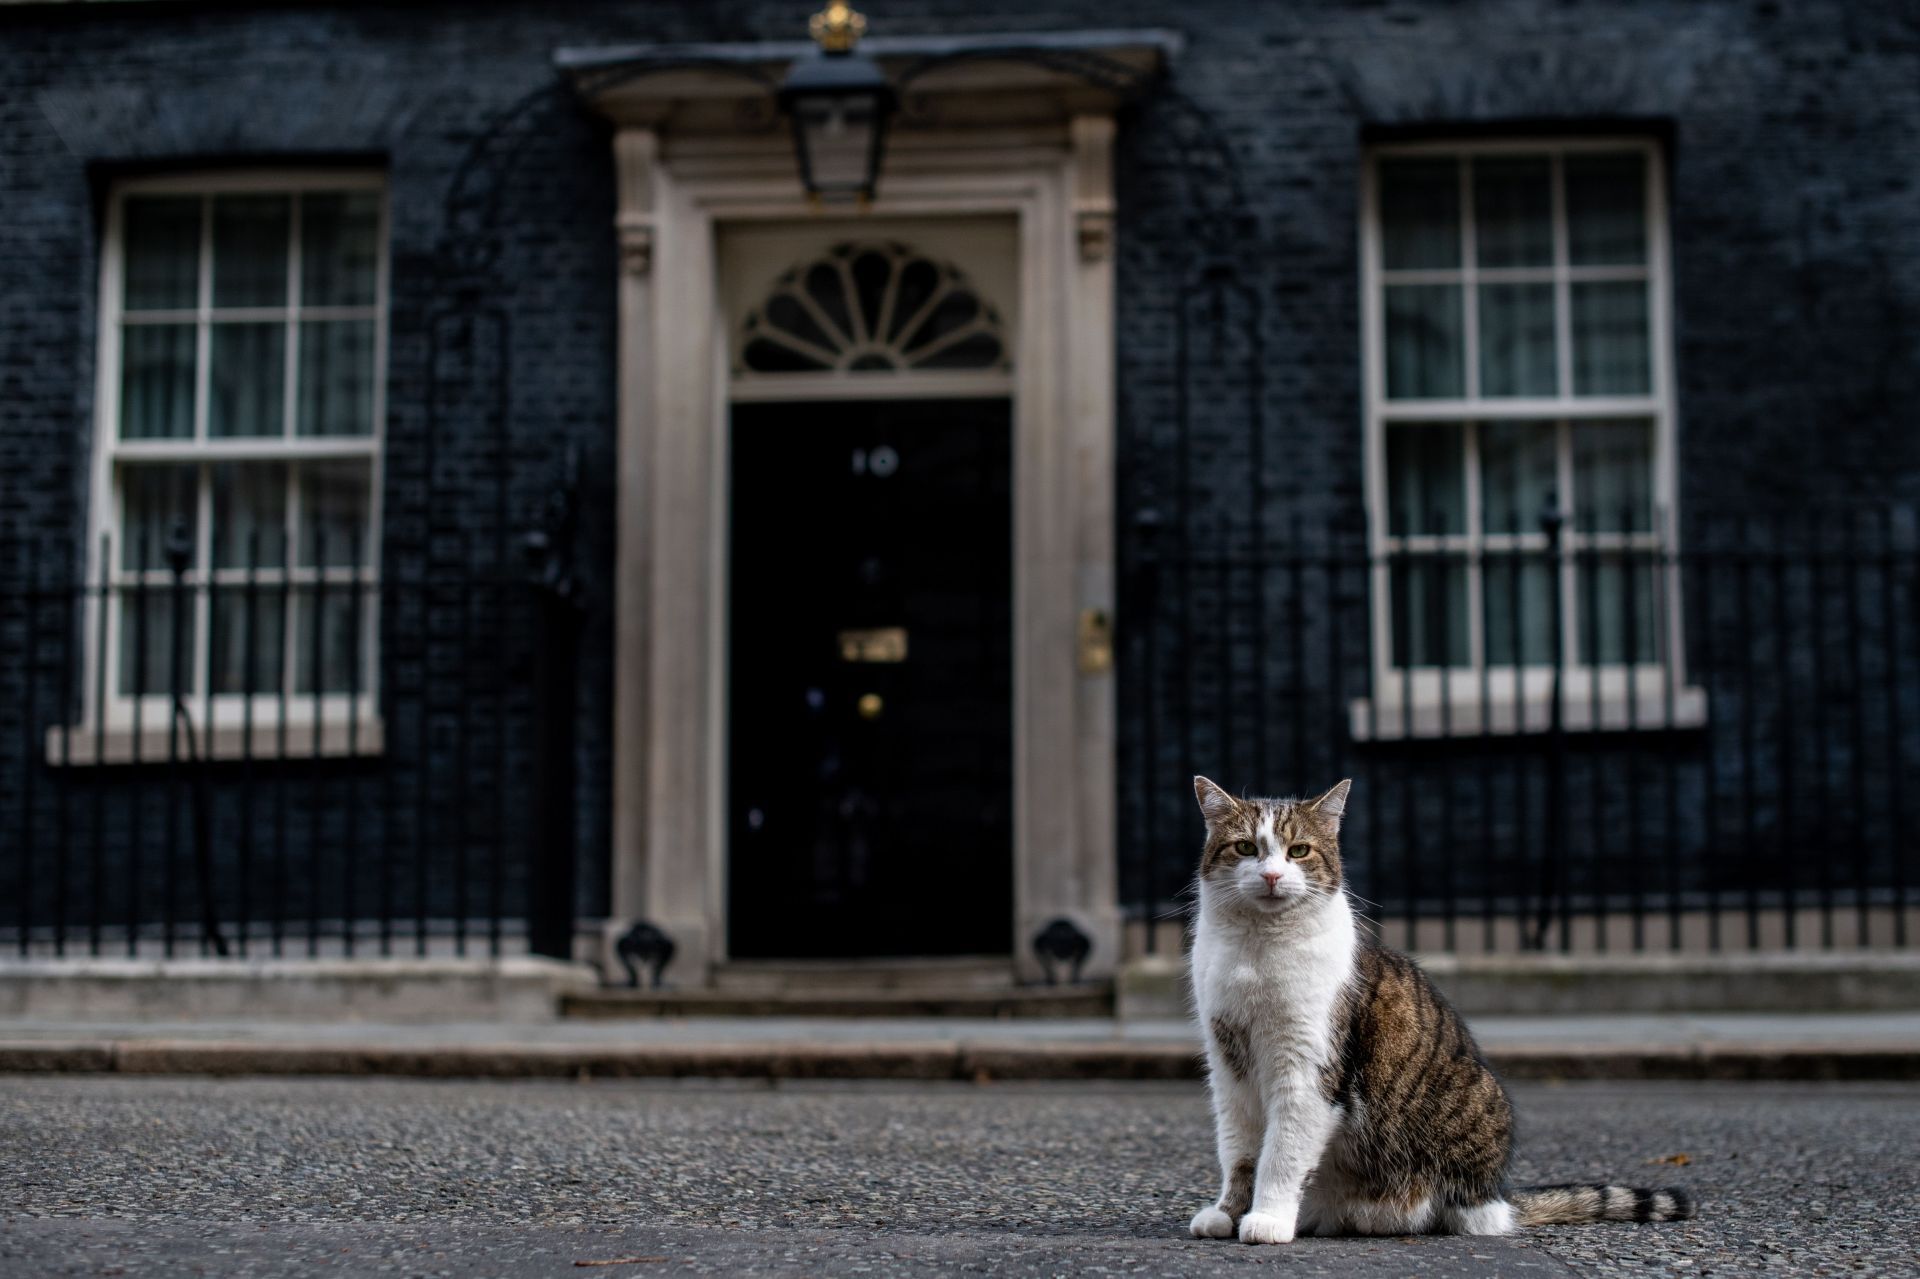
[(178, 1176)]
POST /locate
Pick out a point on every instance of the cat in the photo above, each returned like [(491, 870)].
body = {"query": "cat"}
[(1348, 1096)]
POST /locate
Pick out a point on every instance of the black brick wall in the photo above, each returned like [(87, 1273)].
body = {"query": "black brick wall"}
[(1795, 188)]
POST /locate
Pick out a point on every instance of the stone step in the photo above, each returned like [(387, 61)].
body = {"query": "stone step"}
[(1087, 999), (944, 975)]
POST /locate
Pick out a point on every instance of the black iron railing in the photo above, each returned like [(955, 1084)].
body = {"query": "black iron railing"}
[(1567, 738), (285, 760)]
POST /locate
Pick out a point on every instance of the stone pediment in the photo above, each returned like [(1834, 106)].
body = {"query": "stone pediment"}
[(1038, 80)]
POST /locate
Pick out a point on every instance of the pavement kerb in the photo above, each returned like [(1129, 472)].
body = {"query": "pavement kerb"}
[(927, 1060)]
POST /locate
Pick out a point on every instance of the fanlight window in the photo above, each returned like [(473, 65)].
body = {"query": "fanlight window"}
[(872, 307)]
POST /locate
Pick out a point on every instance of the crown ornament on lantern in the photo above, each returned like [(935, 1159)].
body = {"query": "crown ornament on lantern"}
[(838, 27)]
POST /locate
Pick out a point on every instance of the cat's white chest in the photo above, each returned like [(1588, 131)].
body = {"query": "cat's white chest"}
[(1282, 984)]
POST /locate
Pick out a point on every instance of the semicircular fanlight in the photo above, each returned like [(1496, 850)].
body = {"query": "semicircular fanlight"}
[(872, 307)]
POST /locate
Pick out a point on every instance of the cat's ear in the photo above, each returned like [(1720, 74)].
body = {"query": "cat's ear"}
[(1215, 804), (1332, 806)]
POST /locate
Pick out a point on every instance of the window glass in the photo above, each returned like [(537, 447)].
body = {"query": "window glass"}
[(1519, 600), (1426, 479), (1612, 476), (1419, 214), (1606, 210), (323, 619), (336, 377), (156, 498), (1430, 611), (1425, 343), (156, 381), (339, 248), (1614, 621), (249, 515), (1517, 350), (151, 631), (1513, 211), (248, 638), (1610, 338), (247, 375), (1517, 470), (250, 250), (162, 252), (333, 514)]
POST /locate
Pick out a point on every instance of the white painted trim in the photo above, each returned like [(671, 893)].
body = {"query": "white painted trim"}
[(906, 384), (344, 733), (1388, 718), (669, 858)]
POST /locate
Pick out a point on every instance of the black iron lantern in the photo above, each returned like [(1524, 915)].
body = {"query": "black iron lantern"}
[(839, 103)]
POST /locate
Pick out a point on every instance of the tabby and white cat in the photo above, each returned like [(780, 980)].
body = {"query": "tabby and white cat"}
[(1348, 1097)]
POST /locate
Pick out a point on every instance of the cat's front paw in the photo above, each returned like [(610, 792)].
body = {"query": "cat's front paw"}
[(1266, 1227), (1211, 1223)]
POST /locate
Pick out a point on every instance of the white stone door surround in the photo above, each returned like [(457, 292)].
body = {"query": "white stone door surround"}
[(678, 194)]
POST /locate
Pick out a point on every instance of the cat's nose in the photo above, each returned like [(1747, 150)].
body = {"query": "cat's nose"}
[(1272, 877)]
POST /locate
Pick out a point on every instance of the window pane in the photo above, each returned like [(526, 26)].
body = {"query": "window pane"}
[(1613, 476), (1513, 211), (1426, 487), (871, 273), (326, 624), (1429, 611), (1425, 354), (249, 514), (147, 638), (155, 498), (334, 499), (1606, 210), (1419, 213), (163, 252), (241, 625), (1610, 339), (1615, 599), (1517, 472), (1519, 604), (247, 379), (339, 248), (156, 381), (1516, 340), (250, 249), (336, 377)]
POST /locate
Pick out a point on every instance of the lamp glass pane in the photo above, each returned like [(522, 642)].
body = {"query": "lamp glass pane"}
[(837, 135)]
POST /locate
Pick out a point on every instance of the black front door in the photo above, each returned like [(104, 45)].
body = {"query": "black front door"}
[(870, 703)]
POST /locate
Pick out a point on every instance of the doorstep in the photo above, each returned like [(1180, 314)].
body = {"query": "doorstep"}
[(1548, 985), (1087, 999), (512, 989)]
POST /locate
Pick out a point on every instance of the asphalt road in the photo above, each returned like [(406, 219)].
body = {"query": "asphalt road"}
[(166, 1176)]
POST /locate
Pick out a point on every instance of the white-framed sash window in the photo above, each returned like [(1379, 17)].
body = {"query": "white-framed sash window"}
[(1516, 300), (243, 346)]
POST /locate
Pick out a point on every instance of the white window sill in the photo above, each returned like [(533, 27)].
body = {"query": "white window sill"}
[(339, 738), (1392, 720)]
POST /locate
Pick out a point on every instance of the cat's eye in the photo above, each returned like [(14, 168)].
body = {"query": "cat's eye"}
[(1299, 852), (1245, 848)]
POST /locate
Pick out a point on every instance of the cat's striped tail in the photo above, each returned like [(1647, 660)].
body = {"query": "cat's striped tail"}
[(1575, 1205)]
